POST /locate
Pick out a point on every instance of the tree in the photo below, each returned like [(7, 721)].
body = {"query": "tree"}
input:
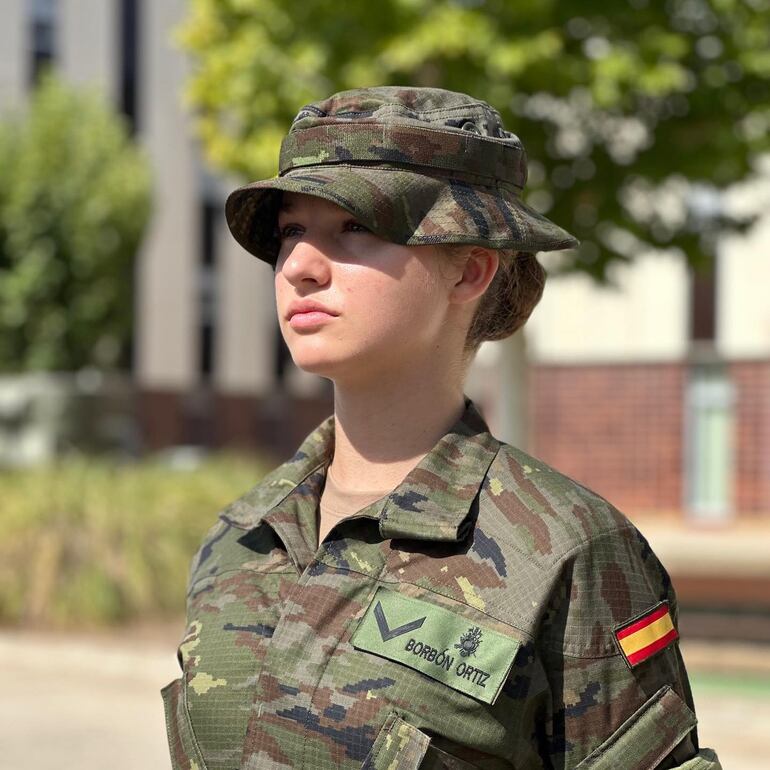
[(74, 202), (623, 108)]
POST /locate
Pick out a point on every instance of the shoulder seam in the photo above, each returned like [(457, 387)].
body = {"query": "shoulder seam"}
[(566, 649), (593, 538)]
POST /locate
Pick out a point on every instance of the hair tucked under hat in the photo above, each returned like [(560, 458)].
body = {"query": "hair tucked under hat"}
[(509, 299)]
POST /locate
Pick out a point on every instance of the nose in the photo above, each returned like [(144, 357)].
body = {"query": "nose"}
[(306, 260)]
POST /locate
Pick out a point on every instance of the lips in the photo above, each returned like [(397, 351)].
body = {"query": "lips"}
[(310, 320), (308, 307)]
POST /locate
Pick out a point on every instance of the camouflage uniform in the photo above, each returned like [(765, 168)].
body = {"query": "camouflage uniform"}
[(473, 618), (489, 612)]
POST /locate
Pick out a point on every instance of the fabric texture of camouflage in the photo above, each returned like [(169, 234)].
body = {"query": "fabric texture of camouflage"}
[(376, 648), (414, 165)]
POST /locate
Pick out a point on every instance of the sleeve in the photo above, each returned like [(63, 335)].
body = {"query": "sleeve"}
[(619, 694), (207, 559), (202, 564)]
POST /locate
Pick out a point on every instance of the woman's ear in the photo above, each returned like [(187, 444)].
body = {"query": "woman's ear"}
[(478, 267)]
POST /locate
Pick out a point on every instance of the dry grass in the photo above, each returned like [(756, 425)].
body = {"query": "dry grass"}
[(90, 542)]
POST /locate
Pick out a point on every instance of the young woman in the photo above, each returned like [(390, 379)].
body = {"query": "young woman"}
[(407, 590)]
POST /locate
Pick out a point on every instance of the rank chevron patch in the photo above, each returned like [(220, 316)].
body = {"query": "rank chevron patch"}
[(641, 637), (390, 633)]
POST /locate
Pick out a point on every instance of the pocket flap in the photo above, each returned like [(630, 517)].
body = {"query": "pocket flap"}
[(185, 753), (646, 737), (398, 746)]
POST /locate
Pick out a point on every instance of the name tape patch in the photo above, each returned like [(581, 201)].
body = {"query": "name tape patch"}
[(646, 634), (445, 646)]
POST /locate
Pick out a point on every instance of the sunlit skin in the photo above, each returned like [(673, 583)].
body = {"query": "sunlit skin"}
[(394, 352)]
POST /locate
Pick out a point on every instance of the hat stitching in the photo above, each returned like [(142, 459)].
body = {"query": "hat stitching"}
[(479, 180), (441, 129)]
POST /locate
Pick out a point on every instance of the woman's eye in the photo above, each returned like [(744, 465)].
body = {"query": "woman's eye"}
[(291, 230), (287, 231), (356, 227)]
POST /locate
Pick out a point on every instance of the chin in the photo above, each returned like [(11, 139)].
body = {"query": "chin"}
[(325, 362), (315, 360)]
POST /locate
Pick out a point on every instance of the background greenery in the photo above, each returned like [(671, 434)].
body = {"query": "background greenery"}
[(91, 542), (624, 108), (74, 203)]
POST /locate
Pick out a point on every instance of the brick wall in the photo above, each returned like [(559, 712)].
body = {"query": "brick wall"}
[(615, 428), (274, 426), (752, 438)]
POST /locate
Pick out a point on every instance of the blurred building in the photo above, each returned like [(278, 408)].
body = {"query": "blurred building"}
[(655, 393), (208, 359)]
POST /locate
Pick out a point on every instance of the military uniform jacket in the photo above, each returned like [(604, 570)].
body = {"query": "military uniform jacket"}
[(489, 613)]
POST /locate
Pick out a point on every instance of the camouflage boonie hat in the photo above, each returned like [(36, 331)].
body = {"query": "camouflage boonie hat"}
[(413, 165)]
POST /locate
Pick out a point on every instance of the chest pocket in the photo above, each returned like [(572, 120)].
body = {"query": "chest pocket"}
[(402, 746), (207, 709), (185, 753)]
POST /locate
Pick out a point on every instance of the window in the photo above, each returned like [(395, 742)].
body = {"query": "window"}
[(283, 356), (207, 288), (43, 37), (703, 303), (128, 48), (709, 443)]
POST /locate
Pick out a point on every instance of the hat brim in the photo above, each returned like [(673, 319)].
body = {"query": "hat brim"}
[(400, 205)]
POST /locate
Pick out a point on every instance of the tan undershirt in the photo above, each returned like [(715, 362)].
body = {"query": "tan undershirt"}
[(337, 504)]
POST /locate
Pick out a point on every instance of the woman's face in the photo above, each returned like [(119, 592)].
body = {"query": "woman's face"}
[(389, 302)]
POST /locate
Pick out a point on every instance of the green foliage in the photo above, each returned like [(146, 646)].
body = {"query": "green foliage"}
[(74, 202), (612, 101), (92, 542)]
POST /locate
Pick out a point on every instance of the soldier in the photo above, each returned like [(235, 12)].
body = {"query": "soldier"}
[(407, 590)]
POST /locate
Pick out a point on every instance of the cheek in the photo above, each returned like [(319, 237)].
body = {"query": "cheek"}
[(404, 302), (279, 292)]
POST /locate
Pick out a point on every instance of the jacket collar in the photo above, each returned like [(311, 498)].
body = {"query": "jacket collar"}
[(431, 502)]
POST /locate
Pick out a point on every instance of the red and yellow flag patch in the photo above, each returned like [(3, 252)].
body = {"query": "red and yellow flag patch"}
[(643, 636)]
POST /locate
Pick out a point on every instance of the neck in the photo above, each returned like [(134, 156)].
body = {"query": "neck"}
[(382, 433)]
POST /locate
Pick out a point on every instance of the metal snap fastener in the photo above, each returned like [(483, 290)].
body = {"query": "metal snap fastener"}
[(309, 112)]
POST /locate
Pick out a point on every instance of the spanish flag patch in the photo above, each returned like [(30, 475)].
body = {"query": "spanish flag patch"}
[(643, 636)]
